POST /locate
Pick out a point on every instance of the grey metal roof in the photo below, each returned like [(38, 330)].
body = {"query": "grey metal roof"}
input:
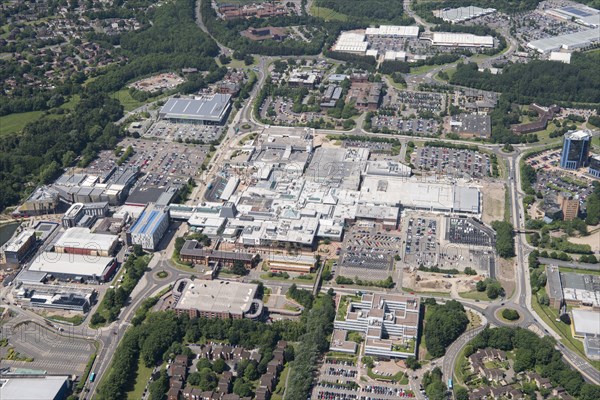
[(571, 40), (207, 108)]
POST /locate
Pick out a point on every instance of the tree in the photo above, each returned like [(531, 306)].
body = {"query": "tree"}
[(160, 386), (219, 365), (238, 268), (138, 251), (494, 290), (510, 314), (444, 324), (505, 243), (461, 393), (481, 286), (251, 373), (412, 363), (242, 389), (203, 363), (97, 319), (208, 379), (193, 379)]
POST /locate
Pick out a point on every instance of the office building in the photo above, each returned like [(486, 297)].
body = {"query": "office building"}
[(41, 387), (194, 253), (291, 262), (55, 297), (16, 248), (78, 211), (82, 241), (569, 205), (217, 299), (576, 147), (206, 110), (150, 227), (77, 267), (594, 166), (389, 321)]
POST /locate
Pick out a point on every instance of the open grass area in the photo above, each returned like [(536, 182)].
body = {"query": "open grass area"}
[(142, 376), (400, 377), (461, 367), (74, 320), (550, 316), (280, 388), (399, 86), (14, 123), (327, 14), (474, 295), (129, 103)]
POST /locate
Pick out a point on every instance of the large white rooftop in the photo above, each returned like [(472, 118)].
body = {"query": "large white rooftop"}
[(393, 30), (82, 238), (32, 388), (71, 264), (569, 41), (461, 40), (586, 322)]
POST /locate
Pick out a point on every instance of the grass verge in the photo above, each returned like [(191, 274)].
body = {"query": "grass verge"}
[(142, 376)]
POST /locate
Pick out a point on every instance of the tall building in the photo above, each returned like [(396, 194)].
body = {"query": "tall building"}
[(576, 147), (569, 206), (594, 167), (150, 227)]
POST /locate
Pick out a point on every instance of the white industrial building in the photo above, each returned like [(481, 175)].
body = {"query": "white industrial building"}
[(461, 40), (391, 55), (393, 31), (351, 42), (571, 41), (462, 14), (561, 57), (64, 266), (579, 13)]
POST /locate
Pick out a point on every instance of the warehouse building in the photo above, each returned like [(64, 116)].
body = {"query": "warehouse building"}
[(206, 110), (150, 227), (351, 42), (393, 31), (82, 241), (217, 299), (461, 40), (17, 248), (570, 41), (38, 387), (472, 125), (462, 14), (579, 13), (74, 267)]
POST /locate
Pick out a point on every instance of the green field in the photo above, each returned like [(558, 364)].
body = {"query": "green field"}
[(142, 376), (474, 295), (14, 123), (327, 14)]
